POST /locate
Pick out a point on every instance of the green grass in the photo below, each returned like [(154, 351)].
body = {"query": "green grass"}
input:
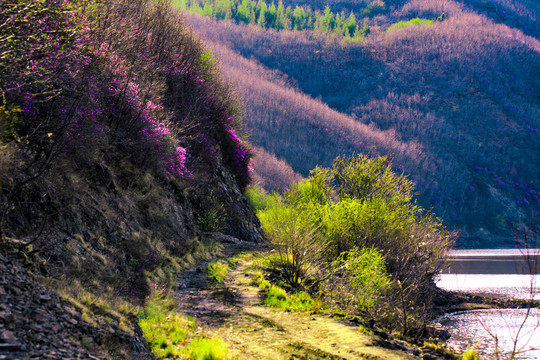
[(470, 354), (300, 301), (207, 349), (172, 335), (217, 270), (277, 297), (403, 24), (440, 349)]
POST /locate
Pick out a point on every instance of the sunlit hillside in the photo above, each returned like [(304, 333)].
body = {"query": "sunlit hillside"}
[(454, 100)]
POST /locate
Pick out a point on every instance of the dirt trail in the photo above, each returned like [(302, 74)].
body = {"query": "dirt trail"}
[(233, 313)]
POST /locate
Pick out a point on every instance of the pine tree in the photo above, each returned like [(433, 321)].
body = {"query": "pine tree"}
[(263, 8), (245, 12), (270, 16), (281, 20), (325, 22), (207, 10), (351, 24), (299, 18)]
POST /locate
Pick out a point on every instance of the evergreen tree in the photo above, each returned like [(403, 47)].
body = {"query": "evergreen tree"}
[(281, 20), (271, 16), (223, 9), (351, 24), (299, 18), (325, 22), (263, 8), (289, 17), (207, 10), (246, 12), (196, 8)]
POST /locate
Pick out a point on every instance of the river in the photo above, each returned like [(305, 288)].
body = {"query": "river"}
[(502, 273)]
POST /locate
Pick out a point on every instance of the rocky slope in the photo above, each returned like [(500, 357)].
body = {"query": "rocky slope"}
[(122, 161)]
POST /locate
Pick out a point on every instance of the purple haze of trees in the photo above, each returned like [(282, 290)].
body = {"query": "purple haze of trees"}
[(74, 84)]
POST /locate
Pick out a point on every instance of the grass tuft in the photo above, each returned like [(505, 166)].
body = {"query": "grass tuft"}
[(277, 297), (217, 270), (172, 335)]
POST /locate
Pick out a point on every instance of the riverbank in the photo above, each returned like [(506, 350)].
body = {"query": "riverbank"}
[(448, 302)]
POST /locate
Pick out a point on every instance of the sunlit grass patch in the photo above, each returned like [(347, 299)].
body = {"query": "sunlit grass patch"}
[(300, 301), (440, 348), (260, 281), (202, 348), (404, 24), (277, 297), (172, 335), (217, 270), (470, 354)]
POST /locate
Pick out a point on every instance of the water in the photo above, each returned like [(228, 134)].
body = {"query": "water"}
[(479, 328), (500, 273), (509, 286)]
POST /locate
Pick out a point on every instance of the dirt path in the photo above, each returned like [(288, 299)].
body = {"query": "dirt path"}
[(233, 313)]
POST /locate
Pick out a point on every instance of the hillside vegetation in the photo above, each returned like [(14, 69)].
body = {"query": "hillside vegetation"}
[(352, 234), (124, 171), (121, 163), (455, 101)]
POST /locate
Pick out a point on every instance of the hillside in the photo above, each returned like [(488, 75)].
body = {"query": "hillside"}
[(455, 102), (121, 163)]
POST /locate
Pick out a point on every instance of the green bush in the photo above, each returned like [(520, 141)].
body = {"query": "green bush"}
[(298, 241), (338, 217), (470, 354), (363, 271)]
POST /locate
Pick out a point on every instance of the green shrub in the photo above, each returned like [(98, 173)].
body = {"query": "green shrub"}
[(470, 354), (258, 198), (364, 272), (298, 241), (358, 204)]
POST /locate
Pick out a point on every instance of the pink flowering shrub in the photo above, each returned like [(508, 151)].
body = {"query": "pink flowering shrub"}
[(121, 73)]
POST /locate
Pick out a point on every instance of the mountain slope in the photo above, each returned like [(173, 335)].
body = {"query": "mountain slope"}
[(463, 92), (121, 163)]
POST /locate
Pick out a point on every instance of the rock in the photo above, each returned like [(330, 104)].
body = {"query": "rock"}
[(10, 347), (437, 331), (45, 298), (8, 337)]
